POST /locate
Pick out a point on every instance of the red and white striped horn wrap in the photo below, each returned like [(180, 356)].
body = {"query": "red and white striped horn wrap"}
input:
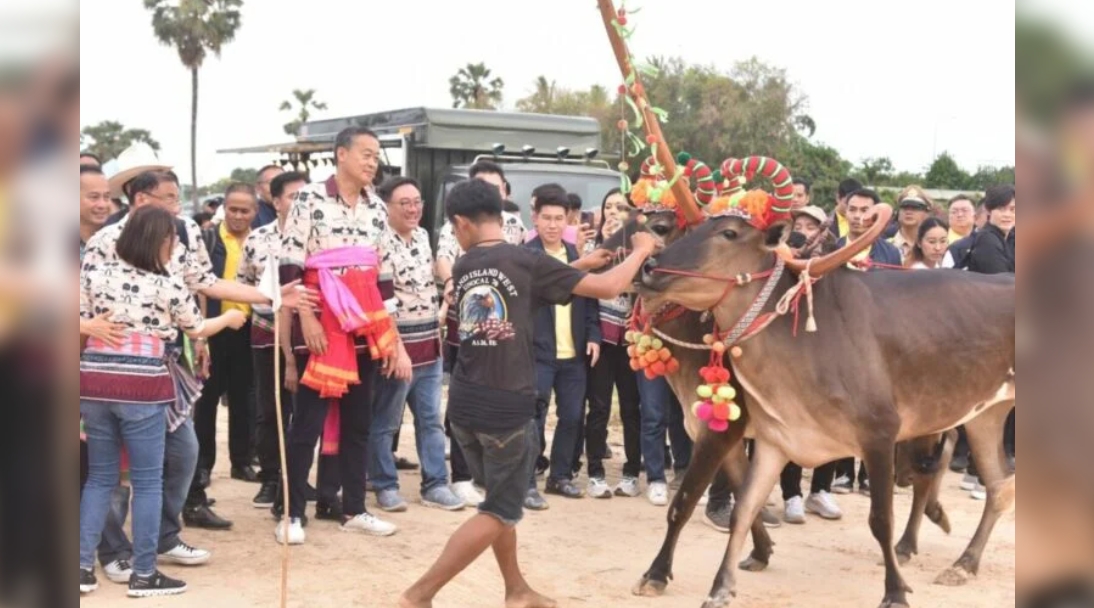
[(703, 179), (751, 166)]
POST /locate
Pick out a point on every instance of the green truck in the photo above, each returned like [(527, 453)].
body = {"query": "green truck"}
[(437, 146)]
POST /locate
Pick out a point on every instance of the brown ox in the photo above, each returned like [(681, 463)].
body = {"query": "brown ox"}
[(920, 463), (883, 368)]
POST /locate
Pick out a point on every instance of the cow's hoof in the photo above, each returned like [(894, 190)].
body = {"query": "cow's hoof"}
[(718, 600), (893, 604), (953, 577), (903, 558), (648, 587), (752, 565), (938, 516)]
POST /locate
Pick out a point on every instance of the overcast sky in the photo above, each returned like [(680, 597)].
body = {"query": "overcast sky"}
[(904, 79)]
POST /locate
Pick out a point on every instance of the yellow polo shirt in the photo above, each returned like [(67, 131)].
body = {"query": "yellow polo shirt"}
[(564, 335), (234, 253), (841, 223)]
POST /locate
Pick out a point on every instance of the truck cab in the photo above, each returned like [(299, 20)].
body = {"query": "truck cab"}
[(437, 147)]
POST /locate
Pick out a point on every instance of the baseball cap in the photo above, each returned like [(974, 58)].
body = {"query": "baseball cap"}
[(812, 211)]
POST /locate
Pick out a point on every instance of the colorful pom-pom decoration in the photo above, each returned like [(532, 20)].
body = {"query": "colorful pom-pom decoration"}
[(716, 406), (649, 353)]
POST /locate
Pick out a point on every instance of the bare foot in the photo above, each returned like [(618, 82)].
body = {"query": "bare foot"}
[(405, 602), (529, 599)]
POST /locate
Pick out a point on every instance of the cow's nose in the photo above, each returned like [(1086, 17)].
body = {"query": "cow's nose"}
[(649, 266)]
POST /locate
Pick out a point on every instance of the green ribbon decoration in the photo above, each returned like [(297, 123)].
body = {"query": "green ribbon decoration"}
[(638, 121)]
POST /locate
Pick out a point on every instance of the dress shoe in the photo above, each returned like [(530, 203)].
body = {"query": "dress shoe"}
[(204, 517), (246, 473), (331, 512), (564, 487), (402, 464)]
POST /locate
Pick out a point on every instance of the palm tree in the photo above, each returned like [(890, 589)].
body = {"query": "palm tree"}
[(541, 101), (472, 87), (195, 28), (306, 102)]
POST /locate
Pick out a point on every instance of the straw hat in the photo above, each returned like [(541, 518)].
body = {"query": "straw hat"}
[(133, 161)]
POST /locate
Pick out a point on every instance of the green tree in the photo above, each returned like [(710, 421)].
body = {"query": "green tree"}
[(110, 138), (542, 99), (875, 171), (989, 176), (945, 173), (195, 28), (238, 175), (821, 165), (473, 88), (305, 103)]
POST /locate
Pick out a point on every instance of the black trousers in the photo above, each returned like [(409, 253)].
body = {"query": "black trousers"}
[(846, 468), (230, 373), (355, 415), (791, 479), (613, 370), (456, 459), (268, 448)]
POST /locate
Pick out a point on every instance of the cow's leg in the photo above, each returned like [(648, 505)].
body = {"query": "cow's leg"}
[(709, 452), (879, 465), (736, 467), (925, 491), (767, 463), (985, 435)]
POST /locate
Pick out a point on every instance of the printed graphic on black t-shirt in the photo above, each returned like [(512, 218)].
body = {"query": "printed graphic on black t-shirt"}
[(497, 290), (484, 316)]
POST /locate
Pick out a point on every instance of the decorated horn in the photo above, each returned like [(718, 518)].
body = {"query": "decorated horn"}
[(701, 177), (750, 166)]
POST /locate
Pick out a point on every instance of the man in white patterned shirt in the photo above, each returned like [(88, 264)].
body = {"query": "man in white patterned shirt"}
[(407, 252)]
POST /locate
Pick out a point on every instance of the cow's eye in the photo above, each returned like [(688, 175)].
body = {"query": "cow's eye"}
[(660, 229), (729, 235)]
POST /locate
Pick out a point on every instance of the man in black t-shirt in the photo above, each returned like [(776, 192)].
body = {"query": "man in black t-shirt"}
[(492, 395)]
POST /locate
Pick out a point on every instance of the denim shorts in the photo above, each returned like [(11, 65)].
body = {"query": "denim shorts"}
[(502, 463)]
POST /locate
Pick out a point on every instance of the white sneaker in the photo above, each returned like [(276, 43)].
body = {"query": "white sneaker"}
[(795, 511), (969, 482), (658, 494), (184, 555), (466, 491), (369, 524), (598, 488), (296, 532), (979, 492), (705, 498), (118, 571), (823, 504), (628, 486)]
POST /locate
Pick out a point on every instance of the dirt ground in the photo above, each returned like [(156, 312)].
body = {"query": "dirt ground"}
[(581, 552)]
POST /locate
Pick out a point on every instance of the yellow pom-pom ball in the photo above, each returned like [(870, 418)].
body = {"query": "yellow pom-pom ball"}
[(734, 411)]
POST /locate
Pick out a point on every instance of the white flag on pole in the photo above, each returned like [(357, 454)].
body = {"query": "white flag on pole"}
[(269, 284)]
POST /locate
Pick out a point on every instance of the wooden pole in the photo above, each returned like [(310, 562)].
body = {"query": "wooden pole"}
[(284, 462), (680, 190)]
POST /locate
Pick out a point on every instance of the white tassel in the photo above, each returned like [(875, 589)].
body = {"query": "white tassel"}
[(810, 321)]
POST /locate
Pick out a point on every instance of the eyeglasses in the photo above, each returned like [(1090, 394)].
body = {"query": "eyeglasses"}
[(412, 203), (170, 199)]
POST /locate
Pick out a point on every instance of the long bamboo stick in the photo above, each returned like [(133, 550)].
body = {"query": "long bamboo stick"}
[(680, 190)]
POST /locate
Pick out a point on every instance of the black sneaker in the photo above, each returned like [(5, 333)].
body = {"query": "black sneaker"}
[(331, 512), (563, 487), (154, 585), (88, 582), (267, 495)]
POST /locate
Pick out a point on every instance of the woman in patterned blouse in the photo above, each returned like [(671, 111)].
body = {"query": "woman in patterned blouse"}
[(126, 389)]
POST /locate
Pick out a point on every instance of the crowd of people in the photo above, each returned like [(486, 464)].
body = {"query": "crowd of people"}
[(177, 317)]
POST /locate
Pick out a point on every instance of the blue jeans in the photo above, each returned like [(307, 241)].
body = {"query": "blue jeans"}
[(661, 413), (142, 430), (180, 461), (566, 377), (423, 394)]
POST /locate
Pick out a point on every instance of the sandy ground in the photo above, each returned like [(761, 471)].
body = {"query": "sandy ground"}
[(581, 552)]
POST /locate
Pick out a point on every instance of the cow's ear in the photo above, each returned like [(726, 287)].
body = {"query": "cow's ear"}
[(776, 234)]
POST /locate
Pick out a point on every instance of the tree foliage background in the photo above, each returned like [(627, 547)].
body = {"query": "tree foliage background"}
[(110, 138), (751, 109)]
